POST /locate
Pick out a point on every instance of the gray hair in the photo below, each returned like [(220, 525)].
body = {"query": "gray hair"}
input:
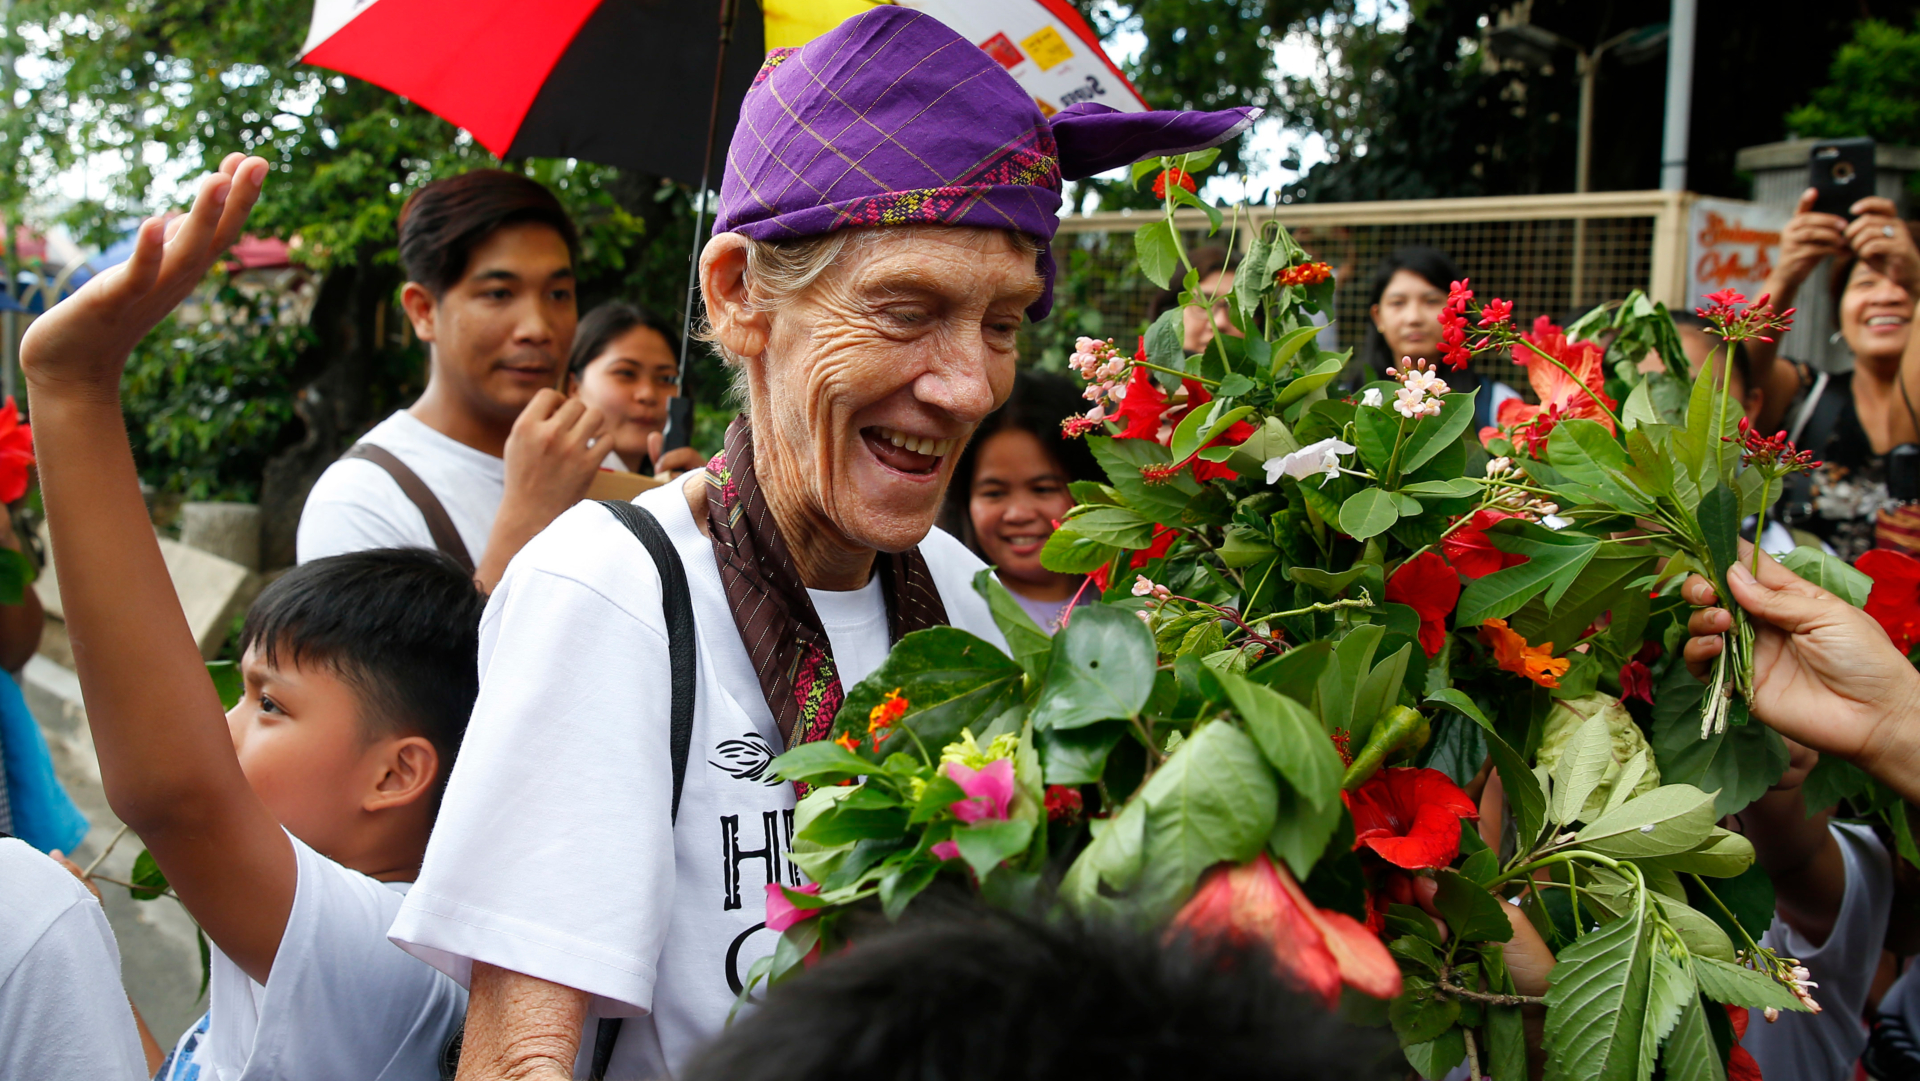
[(779, 271)]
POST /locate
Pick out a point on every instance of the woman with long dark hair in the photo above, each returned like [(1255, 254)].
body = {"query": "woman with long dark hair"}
[(626, 363), (1408, 290)]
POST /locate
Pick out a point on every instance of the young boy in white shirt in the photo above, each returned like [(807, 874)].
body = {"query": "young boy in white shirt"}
[(491, 452), (288, 827)]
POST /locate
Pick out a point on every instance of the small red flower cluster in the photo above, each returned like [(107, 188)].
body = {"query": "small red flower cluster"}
[(1453, 325), (1758, 321), (1078, 425), (1064, 805), (880, 722), (1636, 677), (1770, 452), (1178, 176), (1496, 312), (1304, 274)]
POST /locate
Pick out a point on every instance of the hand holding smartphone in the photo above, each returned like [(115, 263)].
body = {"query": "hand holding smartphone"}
[(1841, 171)]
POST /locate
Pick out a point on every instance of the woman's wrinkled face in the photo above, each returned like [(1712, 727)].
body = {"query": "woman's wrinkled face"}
[(873, 379), (1408, 316), (1019, 491), (1876, 315)]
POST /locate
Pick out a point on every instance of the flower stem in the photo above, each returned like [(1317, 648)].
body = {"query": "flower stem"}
[(1577, 381), (1200, 379), (1721, 905)]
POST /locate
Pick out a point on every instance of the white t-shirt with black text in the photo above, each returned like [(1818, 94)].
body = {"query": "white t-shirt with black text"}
[(341, 1003), (63, 1012), (554, 855), (357, 505)]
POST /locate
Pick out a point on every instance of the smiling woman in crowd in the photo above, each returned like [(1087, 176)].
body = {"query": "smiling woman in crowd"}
[(1852, 421), (1010, 487), (870, 317)]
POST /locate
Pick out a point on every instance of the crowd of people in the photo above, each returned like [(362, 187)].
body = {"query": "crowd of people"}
[(552, 862)]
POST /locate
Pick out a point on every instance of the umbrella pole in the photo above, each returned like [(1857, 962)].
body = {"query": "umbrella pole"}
[(727, 9)]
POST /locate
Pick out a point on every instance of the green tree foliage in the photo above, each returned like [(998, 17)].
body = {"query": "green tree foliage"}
[(1873, 88)]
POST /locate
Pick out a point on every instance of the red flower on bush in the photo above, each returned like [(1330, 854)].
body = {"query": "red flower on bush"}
[(1065, 805), (1431, 588), (1140, 410), (1471, 551), (1453, 325), (1260, 903), (1178, 176), (1410, 817), (1163, 538), (16, 453), (1238, 432), (1895, 600), (1636, 679), (1496, 312), (1561, 398)]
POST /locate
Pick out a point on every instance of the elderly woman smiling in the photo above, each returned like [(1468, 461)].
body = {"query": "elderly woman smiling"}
[(882, 231)]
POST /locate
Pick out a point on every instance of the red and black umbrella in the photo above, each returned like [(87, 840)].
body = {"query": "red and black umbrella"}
[(619, 82)]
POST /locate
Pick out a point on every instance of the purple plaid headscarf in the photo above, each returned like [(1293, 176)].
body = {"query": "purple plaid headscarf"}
[(894, 119)]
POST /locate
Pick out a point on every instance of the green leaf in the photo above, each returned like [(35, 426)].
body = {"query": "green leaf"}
[(1378, 691), (1554, 563), (1102, 669), (1285, 346), (901, 884), (1719, 516), (147, 882), (821, 760), (1586, 455), (1290, 738), (1739, 764), (227, 682), (1604, 584), (1213, 800), (1157, 251), (1506, 1055), (1368, 513), (1742, 905), (1670, 819), (1252, 281), (1435, 1059), (1077, 756), (1030, 645), (1327, 583), (1420, 1016), (1118, 527), (1639, 409), (1433, 434), (984, 845), (1582, 766), (1313, 379), (1352, 661), (1834, 779), (1596, 999), (1723, 854), (1669, 990), (840, 824), (1110, 863), (1522, 788), (1295, 672), (1201, 426), (1830, 573), (950, 679), (1690, 1053), (1457, 488), (1123, 459), (1301, 830), (1067, 552), (1473, 914), (1738, 986), (1165, 339)]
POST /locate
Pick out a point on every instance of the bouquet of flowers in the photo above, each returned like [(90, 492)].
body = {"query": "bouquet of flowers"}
[(1344, 643)]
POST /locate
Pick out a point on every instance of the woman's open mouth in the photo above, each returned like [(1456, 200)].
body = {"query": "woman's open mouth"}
[(1026, 545), (910, 454)]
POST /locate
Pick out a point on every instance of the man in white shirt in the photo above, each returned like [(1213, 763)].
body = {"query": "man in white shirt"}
[(62, 1010), (491, 452)]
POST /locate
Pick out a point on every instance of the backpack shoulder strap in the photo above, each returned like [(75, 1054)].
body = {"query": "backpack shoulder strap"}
[(677, 605), (439, 525)]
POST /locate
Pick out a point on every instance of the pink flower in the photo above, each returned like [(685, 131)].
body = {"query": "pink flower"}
[(989, 790), (946, 850), (782, 913)]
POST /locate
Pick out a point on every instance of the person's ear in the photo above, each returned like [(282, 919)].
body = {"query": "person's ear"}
[(1374, 313), (421, 308), (723, 283), (573, 385), (408, 768)]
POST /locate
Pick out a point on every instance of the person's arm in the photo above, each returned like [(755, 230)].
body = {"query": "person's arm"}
[(1807, 239), (1798, 853), (1825, 675), (520, 1028), (166, 758), (552, 455), (20, 624)]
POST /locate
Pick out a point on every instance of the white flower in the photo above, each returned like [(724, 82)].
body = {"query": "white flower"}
[(1412, 403), (1499, 466), (1771, 1014), (1554, 521), (1142, 585), (1321, 457), (1372, 398)]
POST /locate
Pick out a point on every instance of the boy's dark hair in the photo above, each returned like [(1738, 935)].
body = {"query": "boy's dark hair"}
[(987, 995), (613, 320), (1435, 266), (1039, 402), (400, 625), (441, 223)]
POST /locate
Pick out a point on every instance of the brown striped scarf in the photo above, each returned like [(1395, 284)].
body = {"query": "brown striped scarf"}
[(771, 609)]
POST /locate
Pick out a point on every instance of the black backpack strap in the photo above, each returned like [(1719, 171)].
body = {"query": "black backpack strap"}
[(677, 604), (439, 525)]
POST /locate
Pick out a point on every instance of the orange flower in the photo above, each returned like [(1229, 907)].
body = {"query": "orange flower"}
[(850, 741), (1515, 655), (883, 716)]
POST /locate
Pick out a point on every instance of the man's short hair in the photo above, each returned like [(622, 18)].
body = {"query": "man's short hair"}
[(980, 994), (400, 626), (441, 223)]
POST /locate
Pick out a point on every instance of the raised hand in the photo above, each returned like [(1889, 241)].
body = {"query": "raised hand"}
[(1808, 238), (1825, 675), (1883, 242), (82, 344)]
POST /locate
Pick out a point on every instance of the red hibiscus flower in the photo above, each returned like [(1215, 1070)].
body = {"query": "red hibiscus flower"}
[(1163, 538), (1260, 903), (1238, 432), (1895, 600), (1741, 1065), (1636, 679), (1410, 817), (16, 453), (1561, 398), (1144, 403), (1471, 551), (1431, 588)]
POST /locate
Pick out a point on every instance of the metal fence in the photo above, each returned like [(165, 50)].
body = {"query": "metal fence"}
[(1549, 254)]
